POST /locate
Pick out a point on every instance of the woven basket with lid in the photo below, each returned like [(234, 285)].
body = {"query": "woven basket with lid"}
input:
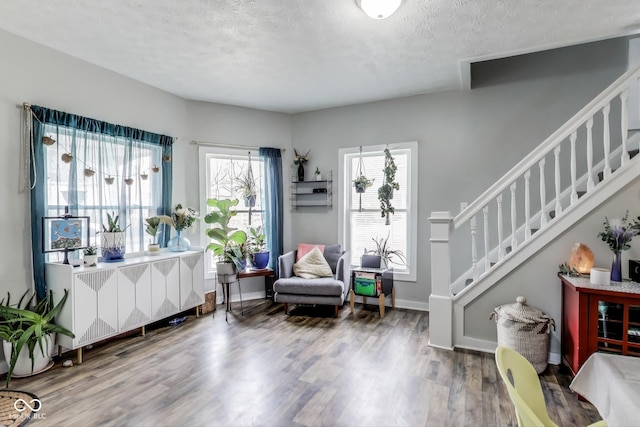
[(526, 330)]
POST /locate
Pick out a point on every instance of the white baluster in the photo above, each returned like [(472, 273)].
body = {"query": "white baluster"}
[(607, 141), (590, 183), (487, 263), (556, 153), (543, 195), (624, 125), (474, 250), (500, 225), (514, 241), (527, 207), (574, 191)]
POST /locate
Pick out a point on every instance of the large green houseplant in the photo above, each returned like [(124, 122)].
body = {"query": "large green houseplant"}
[(28, 324), (227, 241)]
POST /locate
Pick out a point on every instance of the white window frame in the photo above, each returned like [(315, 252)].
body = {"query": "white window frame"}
[(204, 153), (345, 187)]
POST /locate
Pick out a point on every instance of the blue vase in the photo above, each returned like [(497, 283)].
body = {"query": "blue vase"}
[(178, 243), (260, 260), (616, 267)]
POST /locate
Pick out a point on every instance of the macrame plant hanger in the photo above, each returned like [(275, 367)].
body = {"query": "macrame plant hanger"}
[(249, 178), (360, 172)]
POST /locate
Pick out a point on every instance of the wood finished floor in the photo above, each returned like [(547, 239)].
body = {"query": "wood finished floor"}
[(269, 369)]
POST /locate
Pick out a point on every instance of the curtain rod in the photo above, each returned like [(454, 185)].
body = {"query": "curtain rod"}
[(221, 145)]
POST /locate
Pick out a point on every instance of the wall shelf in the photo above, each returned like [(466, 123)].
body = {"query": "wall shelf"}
[(312, 194)]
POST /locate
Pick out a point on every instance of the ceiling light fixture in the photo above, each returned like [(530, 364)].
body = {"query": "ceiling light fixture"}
[(379, 9)]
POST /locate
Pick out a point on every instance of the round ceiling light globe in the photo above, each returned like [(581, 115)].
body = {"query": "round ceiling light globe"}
[(379, 9)]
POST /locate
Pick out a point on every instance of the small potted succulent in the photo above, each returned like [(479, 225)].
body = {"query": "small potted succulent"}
[(317, 174), (90, 256), (151, 229)]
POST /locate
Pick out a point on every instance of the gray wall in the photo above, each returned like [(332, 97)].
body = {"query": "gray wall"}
[(467, 139)]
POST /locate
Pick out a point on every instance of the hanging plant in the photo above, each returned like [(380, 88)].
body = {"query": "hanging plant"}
[(361, 182), (47, 140), (109, 180), (385, 192), (155, 169), (144, 176), (66, 157), (88, 172), (128, 181), (166, 158)]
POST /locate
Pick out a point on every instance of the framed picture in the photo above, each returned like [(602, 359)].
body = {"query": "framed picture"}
[(65, 233)]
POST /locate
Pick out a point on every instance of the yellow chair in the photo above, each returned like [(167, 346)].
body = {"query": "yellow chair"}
[(524, 389)]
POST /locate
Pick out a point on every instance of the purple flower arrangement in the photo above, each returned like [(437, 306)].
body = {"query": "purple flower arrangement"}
[(619, 232)]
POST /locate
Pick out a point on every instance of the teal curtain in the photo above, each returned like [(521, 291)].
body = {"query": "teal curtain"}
[(272, 202), (100, 151)]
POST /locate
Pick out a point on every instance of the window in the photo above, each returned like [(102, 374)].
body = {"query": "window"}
[(105, 175), (361, 221), (222, 172)]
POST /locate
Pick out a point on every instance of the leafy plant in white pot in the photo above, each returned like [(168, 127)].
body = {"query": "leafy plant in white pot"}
[(114, 240), (90, 256), (30, 325), (151, 229), (225, 239)]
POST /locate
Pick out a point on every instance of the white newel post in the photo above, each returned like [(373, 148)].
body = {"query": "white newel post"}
[(440, 300)]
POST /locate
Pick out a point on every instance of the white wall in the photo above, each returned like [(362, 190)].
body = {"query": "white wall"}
[(467, 139)]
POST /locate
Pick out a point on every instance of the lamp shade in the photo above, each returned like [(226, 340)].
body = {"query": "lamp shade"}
[(379, 9)]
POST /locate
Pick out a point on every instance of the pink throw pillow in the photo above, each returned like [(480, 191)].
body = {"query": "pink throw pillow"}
[(305, 248)]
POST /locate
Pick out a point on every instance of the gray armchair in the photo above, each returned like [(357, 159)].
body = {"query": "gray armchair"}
[(290, 289)]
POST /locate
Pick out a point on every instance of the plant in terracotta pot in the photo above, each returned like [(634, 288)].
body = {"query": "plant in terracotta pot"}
[(28, 331), (224, 238), (258, 242), (152, 229)]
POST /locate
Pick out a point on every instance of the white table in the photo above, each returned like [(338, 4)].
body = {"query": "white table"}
[(612, 384)]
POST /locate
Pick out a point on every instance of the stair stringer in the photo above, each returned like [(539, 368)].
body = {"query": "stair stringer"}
[(623, 177)]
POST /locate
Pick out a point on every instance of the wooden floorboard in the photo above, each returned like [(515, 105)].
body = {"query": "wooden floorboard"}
[(304, 369)]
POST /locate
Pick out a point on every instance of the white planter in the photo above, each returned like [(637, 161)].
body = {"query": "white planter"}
[(318, 177), (113, 246), (226, 272), (23, 365), (153, 249), (90, 260)]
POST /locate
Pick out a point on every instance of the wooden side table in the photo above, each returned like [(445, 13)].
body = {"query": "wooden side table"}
[(269, 277), (386, 276)]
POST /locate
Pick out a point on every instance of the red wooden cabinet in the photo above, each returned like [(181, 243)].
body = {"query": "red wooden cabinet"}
[(598, 318)]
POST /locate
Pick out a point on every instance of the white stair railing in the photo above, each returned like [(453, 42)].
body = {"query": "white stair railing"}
[(577, 136)]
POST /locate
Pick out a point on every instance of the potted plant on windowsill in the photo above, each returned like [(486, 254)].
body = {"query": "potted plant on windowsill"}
[(151, 229), (386, 254), (114, 242), (224, 238), (90, 256), (258, 242), (31, 326)]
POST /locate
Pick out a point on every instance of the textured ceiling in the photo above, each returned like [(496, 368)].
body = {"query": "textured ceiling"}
[(301, 55)]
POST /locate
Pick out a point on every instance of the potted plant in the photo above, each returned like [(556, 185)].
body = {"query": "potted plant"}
[(317, 174), (180, 219), (361, 183), (383, 249), (151, 229), (224, 237), (114, 242), (246, 185), (90, 256), (259, 254), (385, 192), (31, 326)]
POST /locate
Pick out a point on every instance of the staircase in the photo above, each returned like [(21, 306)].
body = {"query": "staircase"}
[(586, 161)]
